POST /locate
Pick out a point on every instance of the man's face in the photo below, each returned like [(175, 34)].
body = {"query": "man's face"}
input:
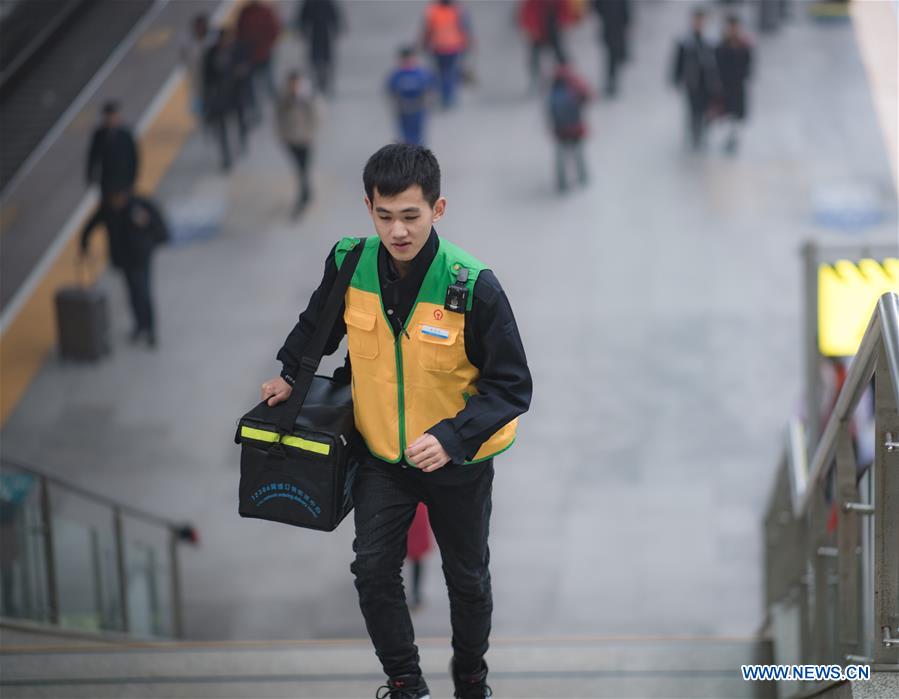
[(403, 221), (698, 23)]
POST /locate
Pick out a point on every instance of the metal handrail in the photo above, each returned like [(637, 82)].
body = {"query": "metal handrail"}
[(883, 329), (797, 462), (175, 533), (100, 499)]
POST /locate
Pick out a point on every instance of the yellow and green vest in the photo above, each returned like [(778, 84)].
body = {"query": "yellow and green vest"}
[(402, 386)]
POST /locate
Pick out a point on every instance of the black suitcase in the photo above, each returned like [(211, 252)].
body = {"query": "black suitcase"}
[(82, 321)]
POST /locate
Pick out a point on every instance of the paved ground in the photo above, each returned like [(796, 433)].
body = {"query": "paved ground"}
[(660, 310)]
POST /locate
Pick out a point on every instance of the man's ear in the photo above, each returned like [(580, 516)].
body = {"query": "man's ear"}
[(439, 208), (368, 204)]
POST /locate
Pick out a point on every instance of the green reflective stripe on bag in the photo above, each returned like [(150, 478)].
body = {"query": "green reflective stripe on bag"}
[(298, 442), (308, 445), (258, 435)]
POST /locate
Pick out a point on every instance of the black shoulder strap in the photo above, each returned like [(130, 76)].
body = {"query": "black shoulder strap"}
[(313, 353)]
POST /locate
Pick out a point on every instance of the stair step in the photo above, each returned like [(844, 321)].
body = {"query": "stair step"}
[(522, 668)]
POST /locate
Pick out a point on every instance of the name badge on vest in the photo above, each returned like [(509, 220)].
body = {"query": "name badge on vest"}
[(435, 332)]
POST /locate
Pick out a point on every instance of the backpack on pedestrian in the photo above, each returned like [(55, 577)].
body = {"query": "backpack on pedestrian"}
[(565, 107)]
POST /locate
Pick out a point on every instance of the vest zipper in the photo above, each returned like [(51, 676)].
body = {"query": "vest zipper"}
[(398, 350)]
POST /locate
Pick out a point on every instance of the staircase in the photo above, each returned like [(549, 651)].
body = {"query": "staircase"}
[(519, 668)]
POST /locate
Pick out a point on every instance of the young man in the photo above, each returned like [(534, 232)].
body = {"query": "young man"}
[(696, 73), (439, 378), (298, 116), (113, 158), (135, 227)]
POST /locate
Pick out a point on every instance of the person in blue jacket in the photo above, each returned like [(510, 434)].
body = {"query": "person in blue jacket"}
[(410, 87)]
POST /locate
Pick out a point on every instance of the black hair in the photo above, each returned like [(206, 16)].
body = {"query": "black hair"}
[(406, 52), (395, 168), (734, 19), (111, 107)]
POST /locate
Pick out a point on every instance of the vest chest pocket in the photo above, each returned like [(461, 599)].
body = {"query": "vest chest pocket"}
[(361, 333), (438, 350)]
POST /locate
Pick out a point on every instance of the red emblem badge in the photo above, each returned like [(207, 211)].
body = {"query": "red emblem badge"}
[(438, 314)]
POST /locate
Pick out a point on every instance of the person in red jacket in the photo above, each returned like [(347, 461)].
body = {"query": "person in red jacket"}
[(418, 546), (543, 22), (258, 29)]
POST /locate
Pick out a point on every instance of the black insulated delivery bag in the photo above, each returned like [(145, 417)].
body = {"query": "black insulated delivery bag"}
[(298, 458), (303, 477)]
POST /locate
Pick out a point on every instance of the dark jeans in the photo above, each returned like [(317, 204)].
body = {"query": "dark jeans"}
[(614, 58), (412, 128), (220, 124), (459, 503), (301, 155), (569, 149), (697, 105), (137, 279), (448, 73), (323, 72), (553, 44)]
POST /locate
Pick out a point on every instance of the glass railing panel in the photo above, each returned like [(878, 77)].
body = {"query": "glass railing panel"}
[(85, 558), (23, 553), (148, 577)]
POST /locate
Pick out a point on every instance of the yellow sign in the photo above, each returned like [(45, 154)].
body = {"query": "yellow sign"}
[(847, 295)]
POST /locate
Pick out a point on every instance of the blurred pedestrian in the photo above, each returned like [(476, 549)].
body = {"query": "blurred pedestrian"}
[(734, 59), (543, 21), (193, 53), (226, 72), (568, 96), (113, 158), (258, 29), (134, 227), (298, 119), (615, 17), (447, 36), (418, 546), (320, 21), (695, 71), (410, 87)]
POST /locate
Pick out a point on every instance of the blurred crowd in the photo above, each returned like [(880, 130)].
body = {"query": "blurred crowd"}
[(236, 87)]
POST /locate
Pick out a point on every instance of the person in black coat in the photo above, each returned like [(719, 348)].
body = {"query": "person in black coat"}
[(134, 227), (112, 160), (734, 58), (319, 21), (696, 73), (615, 16), (226, 76)]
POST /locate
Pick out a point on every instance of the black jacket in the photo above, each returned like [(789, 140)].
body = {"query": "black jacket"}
[(734, 68), (615, 16), (134, 231), (695, 69), (492, 344), (319, 21), (226, 70), (112, 159)]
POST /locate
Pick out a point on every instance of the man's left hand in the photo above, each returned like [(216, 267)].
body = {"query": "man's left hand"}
[(427, 453)]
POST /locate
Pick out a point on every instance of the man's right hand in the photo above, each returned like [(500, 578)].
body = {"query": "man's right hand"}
[(276, 391)]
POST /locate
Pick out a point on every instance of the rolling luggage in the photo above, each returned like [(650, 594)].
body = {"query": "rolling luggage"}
[(82, 321)]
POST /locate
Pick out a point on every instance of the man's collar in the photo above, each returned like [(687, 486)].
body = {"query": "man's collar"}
[(419, 265)]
